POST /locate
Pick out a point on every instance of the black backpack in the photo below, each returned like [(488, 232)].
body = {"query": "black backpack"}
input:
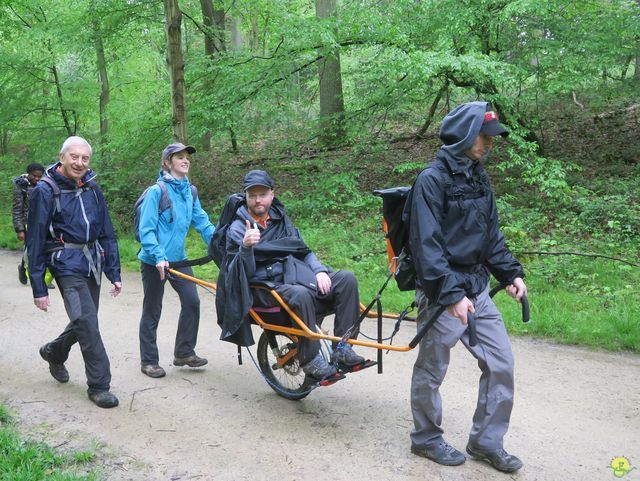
[(396, 210), (218, 245), (164, 204), (396, 205)]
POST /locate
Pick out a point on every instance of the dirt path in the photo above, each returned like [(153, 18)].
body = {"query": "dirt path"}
[(575, 409)]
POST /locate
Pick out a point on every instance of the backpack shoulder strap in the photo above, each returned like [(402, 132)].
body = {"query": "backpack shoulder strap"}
[(165, 200), (55, 188)]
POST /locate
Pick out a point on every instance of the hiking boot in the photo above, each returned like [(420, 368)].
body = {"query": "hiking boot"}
[(442, 453), (22, 274), (58, 371), (103, 399), (191, 361), (318, 368), (346, 356), (152, 370), (498, 458)]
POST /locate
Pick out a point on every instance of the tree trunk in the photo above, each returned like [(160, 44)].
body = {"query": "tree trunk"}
[(63, 111), (636, 73), (210, 48), (175, 63), (4, 141), (104, 85), (214, 44), (236, 35), (331, 98)]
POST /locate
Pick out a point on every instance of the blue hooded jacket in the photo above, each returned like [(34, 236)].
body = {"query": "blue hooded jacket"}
[(83, 219), (454, 235), (161, 238)]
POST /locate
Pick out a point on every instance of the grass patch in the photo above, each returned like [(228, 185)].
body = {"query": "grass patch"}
[(24, 460)]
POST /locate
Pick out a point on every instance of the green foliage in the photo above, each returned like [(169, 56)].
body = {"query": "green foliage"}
[(560, 186)]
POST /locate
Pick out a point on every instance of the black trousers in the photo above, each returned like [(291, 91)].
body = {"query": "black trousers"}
[(188, 321), (311, 306), (81, 297)]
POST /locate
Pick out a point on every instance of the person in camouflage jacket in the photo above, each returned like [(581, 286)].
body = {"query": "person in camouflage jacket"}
[(23, 185)]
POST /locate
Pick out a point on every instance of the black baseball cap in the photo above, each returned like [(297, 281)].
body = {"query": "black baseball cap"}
[(491, 126), (257, 177), (171, 149)]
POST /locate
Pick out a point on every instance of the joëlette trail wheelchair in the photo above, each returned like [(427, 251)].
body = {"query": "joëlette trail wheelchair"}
[(281, 327)]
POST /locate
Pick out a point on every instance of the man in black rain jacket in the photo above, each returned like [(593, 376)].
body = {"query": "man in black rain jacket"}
[(456, 244), (263, 245)]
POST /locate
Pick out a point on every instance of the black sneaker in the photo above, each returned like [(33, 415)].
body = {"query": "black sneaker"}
[(191, 361), (22, 274), (498, 458), (347, 356), (442, 453), (318, 368), (58, 371), (103, 399)]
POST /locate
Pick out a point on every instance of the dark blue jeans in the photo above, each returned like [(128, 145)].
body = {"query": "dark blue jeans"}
[(81, 297), (188, 321)]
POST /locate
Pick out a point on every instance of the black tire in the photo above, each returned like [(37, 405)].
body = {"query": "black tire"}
[(289, 381)]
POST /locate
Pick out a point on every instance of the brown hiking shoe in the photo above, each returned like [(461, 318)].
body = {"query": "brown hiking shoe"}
[(58, 371), (152, 370), (191, 361)]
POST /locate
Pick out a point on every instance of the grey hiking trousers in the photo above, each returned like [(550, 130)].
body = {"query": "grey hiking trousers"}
[(495, 360)]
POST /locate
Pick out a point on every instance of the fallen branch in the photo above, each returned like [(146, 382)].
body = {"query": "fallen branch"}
[(582, 254)]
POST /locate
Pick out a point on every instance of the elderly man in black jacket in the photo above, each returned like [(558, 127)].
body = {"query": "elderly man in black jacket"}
[(456, 244), (264, 245)]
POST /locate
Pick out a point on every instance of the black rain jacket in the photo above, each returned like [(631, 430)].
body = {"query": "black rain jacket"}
[(281, 257), (454, 236)]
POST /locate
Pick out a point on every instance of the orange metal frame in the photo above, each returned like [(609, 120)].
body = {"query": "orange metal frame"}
[(301, 330)]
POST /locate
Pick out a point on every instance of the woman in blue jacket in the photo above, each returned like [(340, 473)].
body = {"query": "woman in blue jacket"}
[(163, 235)]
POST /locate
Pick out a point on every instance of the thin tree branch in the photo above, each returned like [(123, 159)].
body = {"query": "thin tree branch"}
[(582, 254)]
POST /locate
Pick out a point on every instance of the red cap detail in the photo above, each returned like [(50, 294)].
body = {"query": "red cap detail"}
[(490, 115)]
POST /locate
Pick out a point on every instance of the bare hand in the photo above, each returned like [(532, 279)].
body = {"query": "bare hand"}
[(162, 266), (460, 309), (20, 236), (117, 289), (324, 282), (251, 235), (41, 303), (517, 289)]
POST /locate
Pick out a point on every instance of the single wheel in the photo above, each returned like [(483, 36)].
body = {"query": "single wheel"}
[(288, 379)]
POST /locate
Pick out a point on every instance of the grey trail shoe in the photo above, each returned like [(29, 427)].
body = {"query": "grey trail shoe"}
[(58, 371), (442, 453), (498, 458), (318, 368)]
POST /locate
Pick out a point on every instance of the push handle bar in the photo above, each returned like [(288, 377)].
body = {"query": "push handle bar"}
[(524, 301)]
